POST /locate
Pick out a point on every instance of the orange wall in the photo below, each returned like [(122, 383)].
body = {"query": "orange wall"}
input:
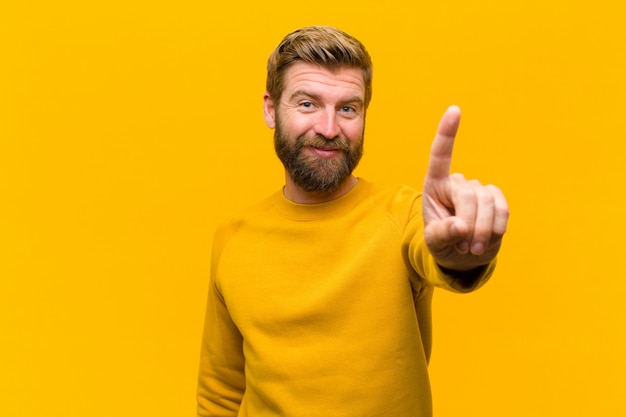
[(129, 129)]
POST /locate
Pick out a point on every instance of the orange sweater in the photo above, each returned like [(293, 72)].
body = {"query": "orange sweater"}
[(322, 310)]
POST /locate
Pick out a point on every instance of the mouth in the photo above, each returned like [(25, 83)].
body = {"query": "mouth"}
[(326, 153)]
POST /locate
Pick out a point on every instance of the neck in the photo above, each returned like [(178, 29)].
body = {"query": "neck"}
[(296, 194)]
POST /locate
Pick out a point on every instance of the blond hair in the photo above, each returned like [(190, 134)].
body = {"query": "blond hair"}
[(325, 46)]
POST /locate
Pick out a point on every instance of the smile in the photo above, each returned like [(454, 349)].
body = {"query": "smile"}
[(325, 153)]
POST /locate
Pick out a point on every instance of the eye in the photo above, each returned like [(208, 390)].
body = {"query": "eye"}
[(349, 110), (306, 104)]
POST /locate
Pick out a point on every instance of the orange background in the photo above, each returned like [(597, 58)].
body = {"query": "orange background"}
[(129, 129)]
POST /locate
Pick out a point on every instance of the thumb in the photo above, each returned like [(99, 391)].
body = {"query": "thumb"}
[(442, 235)]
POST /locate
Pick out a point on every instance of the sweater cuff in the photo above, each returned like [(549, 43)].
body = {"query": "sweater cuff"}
[(467, 281)]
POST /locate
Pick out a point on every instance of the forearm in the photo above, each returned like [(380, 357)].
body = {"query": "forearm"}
[(221, 378)]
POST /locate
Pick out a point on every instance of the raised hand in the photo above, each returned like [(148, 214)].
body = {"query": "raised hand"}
[(464, 220)]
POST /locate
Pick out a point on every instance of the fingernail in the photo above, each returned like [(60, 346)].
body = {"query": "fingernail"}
[(478, 248), (462, 247)]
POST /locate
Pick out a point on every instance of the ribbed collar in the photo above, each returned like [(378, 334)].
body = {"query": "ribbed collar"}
[(334, 208)]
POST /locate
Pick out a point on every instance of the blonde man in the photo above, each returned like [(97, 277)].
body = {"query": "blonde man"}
[(319, 299)]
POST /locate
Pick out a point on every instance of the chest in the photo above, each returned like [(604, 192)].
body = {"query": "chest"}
[(313, 273)]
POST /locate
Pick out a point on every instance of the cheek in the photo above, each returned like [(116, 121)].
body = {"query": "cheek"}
[(354, 132), (296, 126)]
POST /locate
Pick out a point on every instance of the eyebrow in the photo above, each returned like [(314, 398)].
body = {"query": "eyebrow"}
[(303, 93)]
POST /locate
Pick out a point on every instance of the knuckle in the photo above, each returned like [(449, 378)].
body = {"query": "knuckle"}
[(466, 193), (485, 196), (503, 212)]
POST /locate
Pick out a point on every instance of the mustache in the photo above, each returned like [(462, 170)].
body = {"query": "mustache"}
[(321, 142)]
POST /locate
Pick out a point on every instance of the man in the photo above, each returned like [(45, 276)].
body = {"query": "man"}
[(319, 300)]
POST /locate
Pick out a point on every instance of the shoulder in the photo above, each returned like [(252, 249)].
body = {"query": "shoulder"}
[(230, 226), (400, 192), (397, 200)]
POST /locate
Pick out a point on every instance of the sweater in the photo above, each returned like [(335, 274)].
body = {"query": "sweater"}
[(322, 309)]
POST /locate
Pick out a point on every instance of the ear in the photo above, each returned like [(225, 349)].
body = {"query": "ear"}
[(269, 110)]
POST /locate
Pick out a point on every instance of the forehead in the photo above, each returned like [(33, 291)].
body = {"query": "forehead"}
[(318, 80)]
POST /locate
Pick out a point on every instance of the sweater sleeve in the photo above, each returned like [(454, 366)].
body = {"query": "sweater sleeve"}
[(426, 266), (221, 379)]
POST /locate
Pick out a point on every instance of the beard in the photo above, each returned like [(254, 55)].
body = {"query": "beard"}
[(312, 173)]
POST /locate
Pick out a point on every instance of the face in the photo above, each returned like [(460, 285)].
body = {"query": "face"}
[(319, 125)]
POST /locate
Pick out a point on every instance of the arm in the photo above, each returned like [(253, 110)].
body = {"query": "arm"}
[(464, 221), (221, 379), (428, 268)]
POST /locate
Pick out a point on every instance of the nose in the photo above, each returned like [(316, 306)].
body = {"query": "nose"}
[(327, 124)]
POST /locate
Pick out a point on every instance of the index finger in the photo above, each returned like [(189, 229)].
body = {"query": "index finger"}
[(441, 149)]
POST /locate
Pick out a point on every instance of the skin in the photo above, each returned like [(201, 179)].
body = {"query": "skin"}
[(318, 102), (464, 220)]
